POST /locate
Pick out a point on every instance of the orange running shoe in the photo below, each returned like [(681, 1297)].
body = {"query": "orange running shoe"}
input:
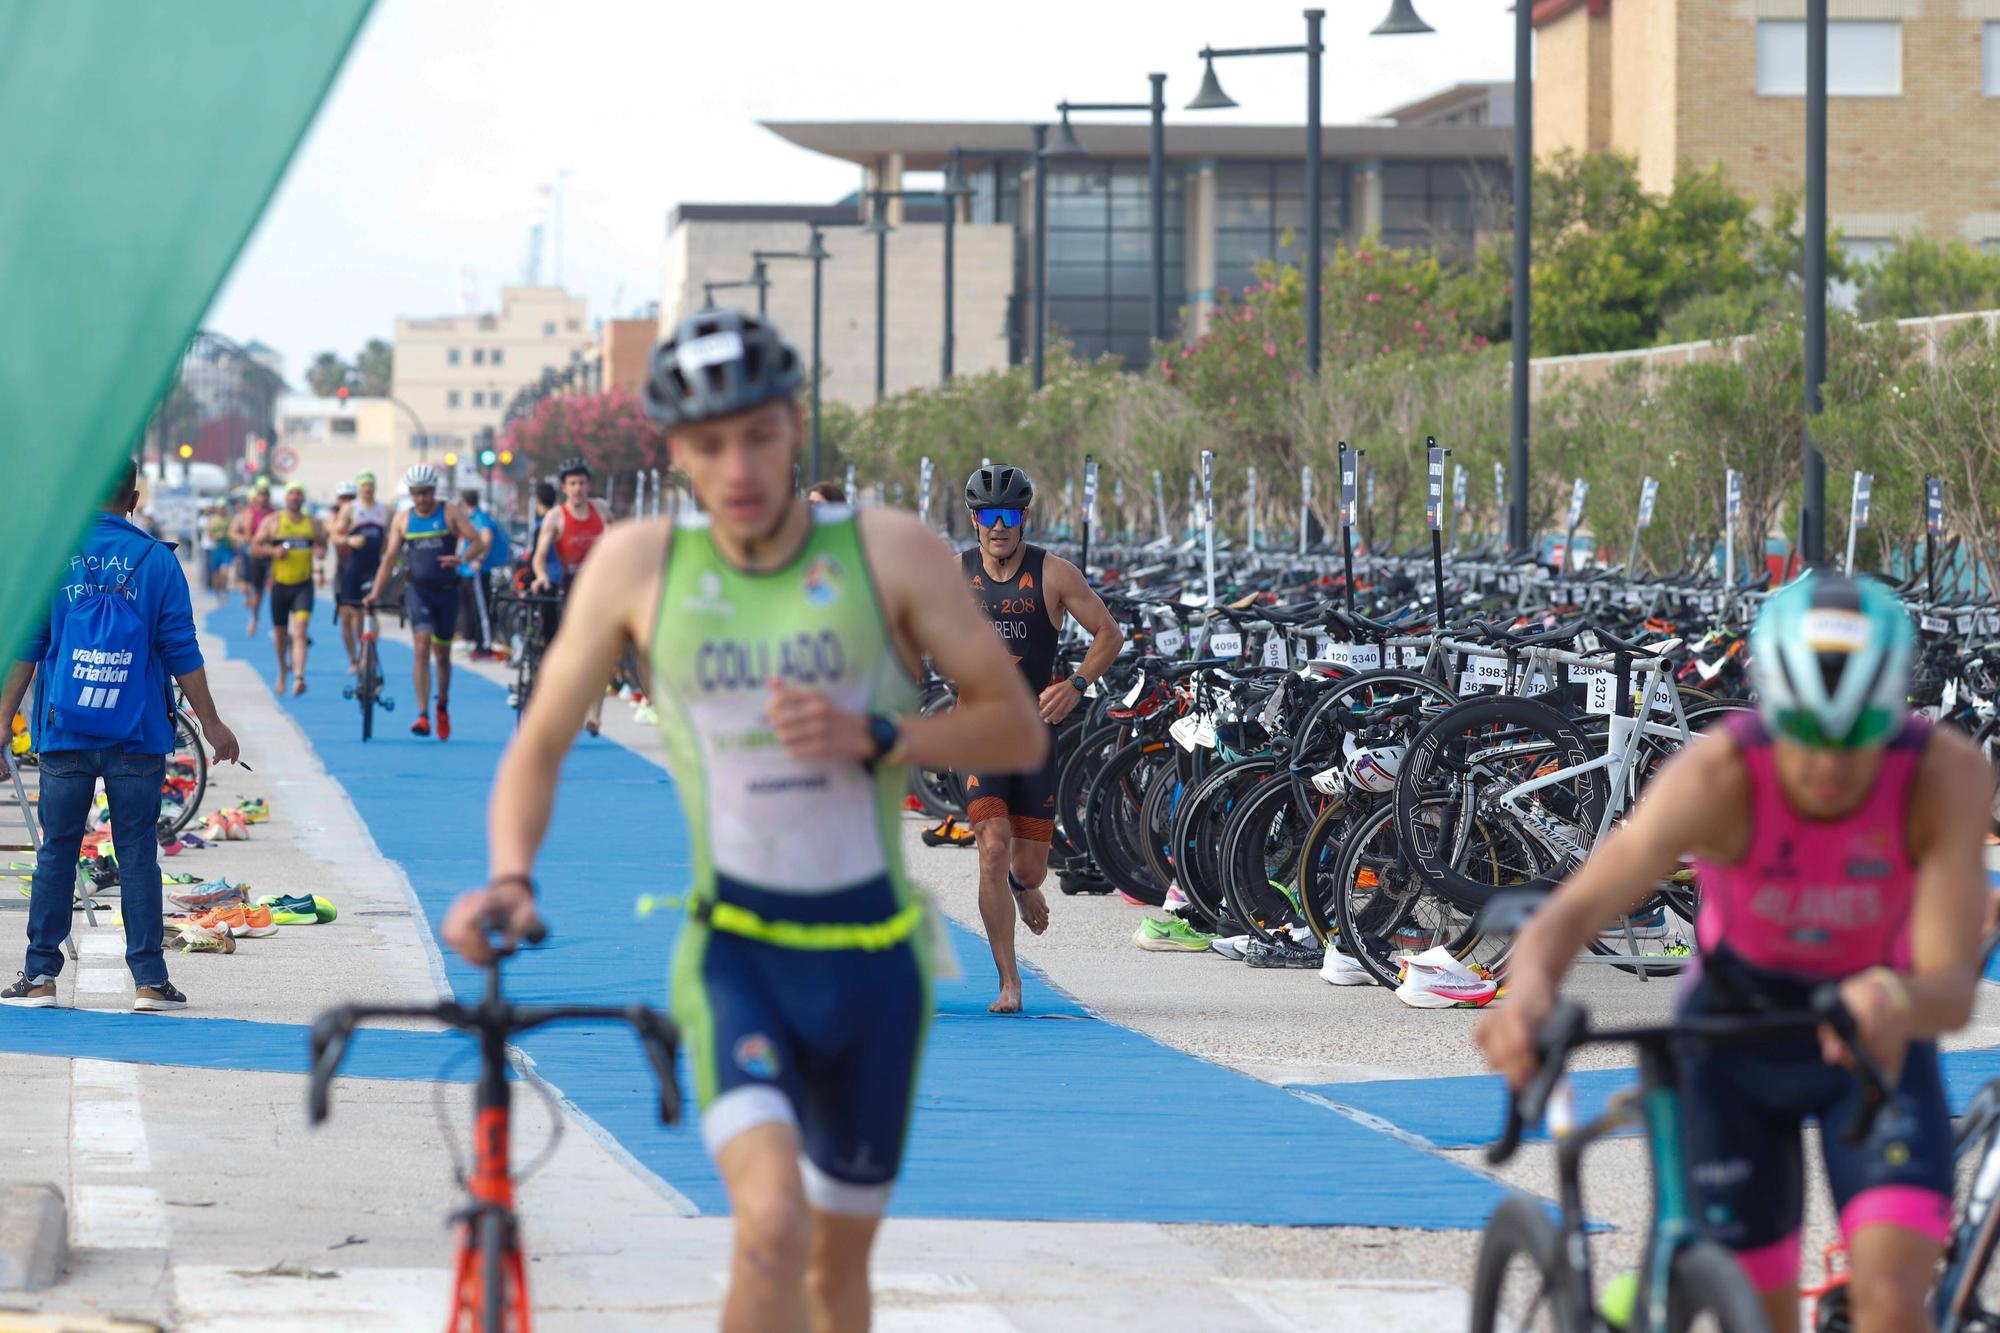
[(444, 722), (256, 922)]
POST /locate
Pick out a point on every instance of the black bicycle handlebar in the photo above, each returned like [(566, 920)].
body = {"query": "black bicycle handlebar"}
[(1568, 1029), (333, 1029)]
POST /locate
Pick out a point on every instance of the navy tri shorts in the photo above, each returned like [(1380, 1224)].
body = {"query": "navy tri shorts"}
[(432, 607), (1743, 1106), (1025, 800), (828, 1041)]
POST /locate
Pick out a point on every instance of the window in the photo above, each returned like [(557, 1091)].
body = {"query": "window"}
[(1439, 205), (341, 425), (1862, 251), (479, 356), (573, 325), (451, 356), (1260, 215), (478, 398), (1101, 257), (495, 358), (549, 330), (451, 399), (1990, 50), (1863, 58)]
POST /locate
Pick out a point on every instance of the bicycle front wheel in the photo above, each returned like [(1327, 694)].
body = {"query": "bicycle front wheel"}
[(1709, 1294), (189, 761), (366, 694), (1521, 1281)]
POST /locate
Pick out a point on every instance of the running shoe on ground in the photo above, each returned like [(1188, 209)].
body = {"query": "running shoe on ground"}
[(444, 721), (1341, 970), (205, 939), (1283, 952), (253, 809), (1171, 936), (39, 993), (645, 715), (157, 999), (171, 847), (202, 897), (1229, 946), (239, 828), (1435, 979), (310, 907), (1175, 901), (422, 726), (194, 841)]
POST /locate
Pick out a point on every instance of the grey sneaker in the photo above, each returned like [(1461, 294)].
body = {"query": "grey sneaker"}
[(1282, 952), (25, 994), (154, 999)]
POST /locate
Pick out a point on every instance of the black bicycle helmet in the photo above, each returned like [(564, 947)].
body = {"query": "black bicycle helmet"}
[(999, 487), (719, 362), (573, 467)]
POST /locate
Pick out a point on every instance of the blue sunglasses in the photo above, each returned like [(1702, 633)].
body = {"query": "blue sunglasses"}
[(1005, 518)]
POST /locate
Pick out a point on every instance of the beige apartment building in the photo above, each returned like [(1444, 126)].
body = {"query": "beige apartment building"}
[(456, 374), (1913, 110), (322, 442)]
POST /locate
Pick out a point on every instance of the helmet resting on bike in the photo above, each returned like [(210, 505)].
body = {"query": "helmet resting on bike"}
[(717, 363), (419, 476), (573, 467), (999, 487), (1830, 661)]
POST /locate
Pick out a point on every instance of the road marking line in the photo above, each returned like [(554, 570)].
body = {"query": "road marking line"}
[(117, 1217), (1297, 1305), (944, 1319), (109, 1135), (102, 981)]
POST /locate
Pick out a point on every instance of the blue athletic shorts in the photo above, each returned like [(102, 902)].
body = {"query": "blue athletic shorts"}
[(433, 608), (1743, 1108), (827, 1041)]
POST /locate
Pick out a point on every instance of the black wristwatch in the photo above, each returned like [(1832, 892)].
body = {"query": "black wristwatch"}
[(1079, 684), (885, 734)]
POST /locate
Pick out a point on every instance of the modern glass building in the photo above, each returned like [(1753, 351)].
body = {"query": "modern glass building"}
[(1430, 175)]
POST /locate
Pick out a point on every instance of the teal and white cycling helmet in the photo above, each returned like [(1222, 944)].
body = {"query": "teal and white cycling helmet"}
[(1830, 662)]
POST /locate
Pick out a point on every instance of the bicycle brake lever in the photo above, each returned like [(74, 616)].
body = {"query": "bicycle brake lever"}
[(1827, 1005), (657, 1035)]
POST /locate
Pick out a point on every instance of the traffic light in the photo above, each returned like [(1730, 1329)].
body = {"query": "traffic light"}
[(187, 452), (451, 460), (341, 393), (506, 458), (487, 458)]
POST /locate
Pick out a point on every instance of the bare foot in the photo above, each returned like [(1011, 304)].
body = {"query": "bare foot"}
[(298, 685), (1009, 1001), (1034, 910)]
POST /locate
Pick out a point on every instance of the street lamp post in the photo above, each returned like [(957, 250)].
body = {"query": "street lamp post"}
[(1067, 145), (816, 253), (756, 279), (1039, 258), (1812, 500), (1211, 97), (878, 227), (1403, 21)]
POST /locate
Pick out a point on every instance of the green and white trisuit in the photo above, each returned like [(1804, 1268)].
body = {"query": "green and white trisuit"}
[(802, 979)]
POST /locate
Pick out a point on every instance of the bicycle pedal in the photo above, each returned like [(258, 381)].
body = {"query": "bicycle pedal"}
[(386, 705)]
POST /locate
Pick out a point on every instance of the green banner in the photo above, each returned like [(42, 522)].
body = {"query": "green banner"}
[(139, 143)]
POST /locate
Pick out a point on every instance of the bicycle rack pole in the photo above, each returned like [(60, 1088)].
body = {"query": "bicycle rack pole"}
[(1348, 464)]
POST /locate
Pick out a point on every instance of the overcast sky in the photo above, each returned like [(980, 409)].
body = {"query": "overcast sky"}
[(417, 185)]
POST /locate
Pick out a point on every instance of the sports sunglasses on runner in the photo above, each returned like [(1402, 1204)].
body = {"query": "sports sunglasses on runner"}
[(1006, 518)]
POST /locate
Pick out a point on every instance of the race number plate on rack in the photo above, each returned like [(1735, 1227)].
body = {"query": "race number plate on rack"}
[(1227, 643), (1603, 689), (1274, 652), (1170, 642), (1356, 656), (1935, 624), (1482, 673)]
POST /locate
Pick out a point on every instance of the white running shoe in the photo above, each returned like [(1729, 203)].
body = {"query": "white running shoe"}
[(1230, 946), (1341, 970), (1176, 901), (1434, 979)]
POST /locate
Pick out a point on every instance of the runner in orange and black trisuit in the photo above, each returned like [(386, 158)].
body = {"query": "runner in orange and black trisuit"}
[(1026, 593)]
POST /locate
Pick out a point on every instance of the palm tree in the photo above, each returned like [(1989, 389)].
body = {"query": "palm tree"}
[(326, 374)]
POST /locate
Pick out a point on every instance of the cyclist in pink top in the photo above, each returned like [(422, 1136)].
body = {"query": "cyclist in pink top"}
[(1838, 838)]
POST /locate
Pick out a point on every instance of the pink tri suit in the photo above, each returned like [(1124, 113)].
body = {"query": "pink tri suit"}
[(1811, 901)]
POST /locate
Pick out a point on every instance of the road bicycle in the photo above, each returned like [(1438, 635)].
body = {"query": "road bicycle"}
[(489, 1292), (368, 683), (1534, 1274), (523, 618)]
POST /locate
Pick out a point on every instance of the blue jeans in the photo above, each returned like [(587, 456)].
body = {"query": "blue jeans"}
[(69, 783)]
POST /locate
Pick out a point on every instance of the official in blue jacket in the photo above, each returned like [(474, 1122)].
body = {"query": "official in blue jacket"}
[(133, 769)]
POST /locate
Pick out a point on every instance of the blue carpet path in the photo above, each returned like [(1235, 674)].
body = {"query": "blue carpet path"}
[(1069, 1118)]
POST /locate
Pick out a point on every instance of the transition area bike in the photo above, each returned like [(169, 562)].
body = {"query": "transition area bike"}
[(367, 687), (490, 1282)]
